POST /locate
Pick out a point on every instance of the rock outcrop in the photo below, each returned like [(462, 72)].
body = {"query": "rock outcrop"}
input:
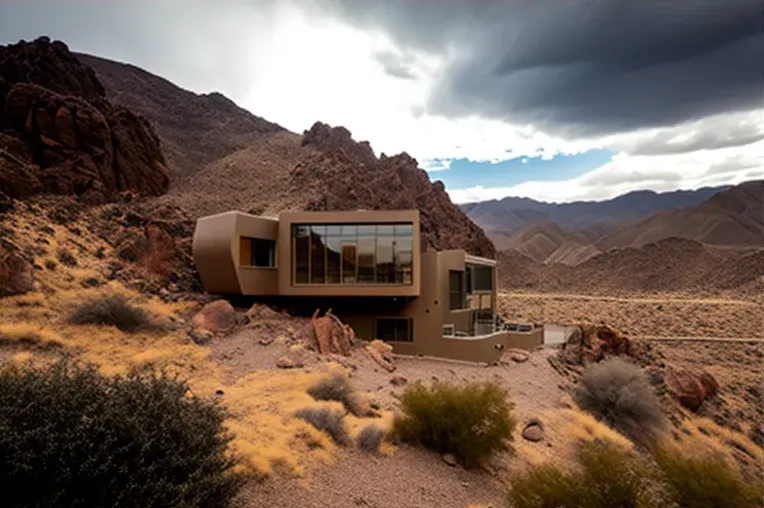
[(332, 335), (59, 134), (690, 387), (346, 175), (591, 344), (16, 273)]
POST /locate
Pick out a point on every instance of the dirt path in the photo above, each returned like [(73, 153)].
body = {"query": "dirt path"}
[(652, 299)]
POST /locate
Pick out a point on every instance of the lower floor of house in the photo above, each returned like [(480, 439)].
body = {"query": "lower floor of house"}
[(414, 327)]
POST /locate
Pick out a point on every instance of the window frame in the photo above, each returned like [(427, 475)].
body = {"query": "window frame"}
[(253, 249), (405, 229)]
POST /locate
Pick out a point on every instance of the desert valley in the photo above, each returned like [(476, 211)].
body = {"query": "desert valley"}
[(105, 168)]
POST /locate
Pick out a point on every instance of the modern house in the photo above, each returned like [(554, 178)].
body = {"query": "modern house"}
[(370, 268)]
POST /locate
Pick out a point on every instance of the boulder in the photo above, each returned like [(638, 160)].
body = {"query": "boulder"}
[(534, 430), (518, 355), (217, 317), (690, 387), (449, 459), (592, 344), (382, 353), (200, 336), (16, 272), (288, 362), (398, 380)]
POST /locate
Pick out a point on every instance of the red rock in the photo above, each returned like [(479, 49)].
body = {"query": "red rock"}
[(217, 317), (16, 273), (690, 387)]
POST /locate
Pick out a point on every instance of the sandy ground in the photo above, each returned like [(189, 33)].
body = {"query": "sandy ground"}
[(644, 316), (407, 477)]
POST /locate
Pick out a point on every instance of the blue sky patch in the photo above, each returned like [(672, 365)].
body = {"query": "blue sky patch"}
[(464, 173)]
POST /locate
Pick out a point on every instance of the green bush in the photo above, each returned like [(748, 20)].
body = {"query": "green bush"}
[(619, 394), (470, 421), (72, 437), (608, 477), (370, 438), (110, 309), (707, 482), (327, 420), (337, 387)]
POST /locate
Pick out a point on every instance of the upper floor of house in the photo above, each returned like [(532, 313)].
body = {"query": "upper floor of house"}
[(349, 253)]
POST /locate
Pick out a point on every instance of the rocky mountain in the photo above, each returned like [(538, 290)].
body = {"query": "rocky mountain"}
[(60, 135), (733, 218), (507, 216)]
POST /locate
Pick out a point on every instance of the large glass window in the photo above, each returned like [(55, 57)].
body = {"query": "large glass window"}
[(395, 329), (353, 254), (301, 249), (457, 296), (318, 254)]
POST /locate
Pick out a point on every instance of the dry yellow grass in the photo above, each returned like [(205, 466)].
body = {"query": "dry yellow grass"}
[(676, 317), (261, 404), (703, 436)]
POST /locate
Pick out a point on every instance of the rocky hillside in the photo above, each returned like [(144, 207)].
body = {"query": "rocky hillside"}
[(60, 135), (195, 130)]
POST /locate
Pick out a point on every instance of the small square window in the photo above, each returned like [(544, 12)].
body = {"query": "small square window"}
[(258, 252)]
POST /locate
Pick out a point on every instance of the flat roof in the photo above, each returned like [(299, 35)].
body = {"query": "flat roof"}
[(477, 260)]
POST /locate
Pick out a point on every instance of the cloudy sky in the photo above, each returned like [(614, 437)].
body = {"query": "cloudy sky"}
[(551, 99)]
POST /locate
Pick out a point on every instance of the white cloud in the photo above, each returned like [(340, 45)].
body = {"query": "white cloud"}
[(626, 173)]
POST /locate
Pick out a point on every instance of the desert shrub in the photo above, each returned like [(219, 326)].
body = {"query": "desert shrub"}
[(370, 438), (546, 486), (67, 258), (707, 482), (327, 420), (608, 477), (70, 436), (469, 421), (111, 309), (619, 394), (613, 476), (337, 387)]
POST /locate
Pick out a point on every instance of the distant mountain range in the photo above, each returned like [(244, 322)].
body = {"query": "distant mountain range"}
[(571, 233)]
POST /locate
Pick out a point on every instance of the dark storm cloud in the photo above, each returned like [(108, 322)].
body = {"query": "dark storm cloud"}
[(583, 67)]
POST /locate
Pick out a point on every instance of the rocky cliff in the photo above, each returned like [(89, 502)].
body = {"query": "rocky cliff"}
[(60, 135), (346, 175)]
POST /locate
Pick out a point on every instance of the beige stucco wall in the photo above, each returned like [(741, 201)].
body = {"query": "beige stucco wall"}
[(213, 251)]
